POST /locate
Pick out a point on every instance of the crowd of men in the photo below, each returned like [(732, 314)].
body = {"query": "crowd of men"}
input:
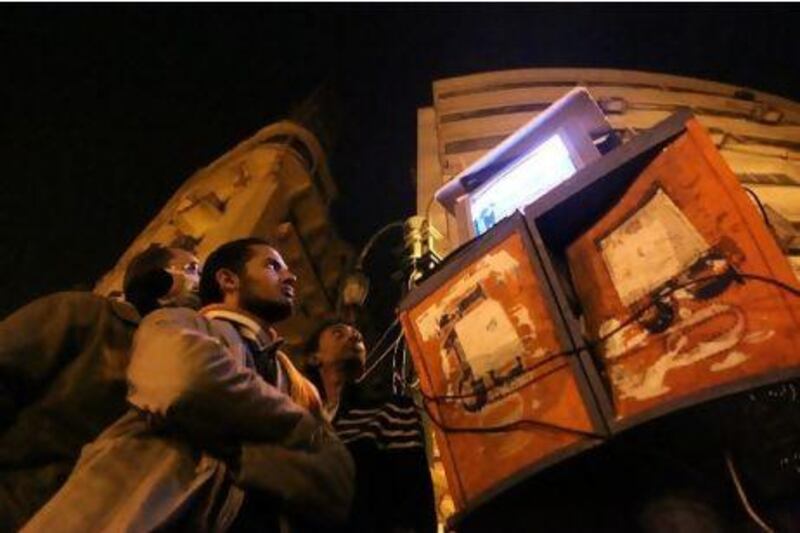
[(176, 409)]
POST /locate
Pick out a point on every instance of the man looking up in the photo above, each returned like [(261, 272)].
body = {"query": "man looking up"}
[(62, 375), (221, 435), (394, 492), (337, 357), (250, 287)]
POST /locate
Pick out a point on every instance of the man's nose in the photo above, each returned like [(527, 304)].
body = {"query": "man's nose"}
[(289, 277), (355, 336)]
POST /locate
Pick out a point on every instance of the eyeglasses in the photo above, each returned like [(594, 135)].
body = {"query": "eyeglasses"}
[(190, 269)]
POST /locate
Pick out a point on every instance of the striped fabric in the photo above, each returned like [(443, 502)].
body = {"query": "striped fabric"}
[(391, 425), (393, 483)]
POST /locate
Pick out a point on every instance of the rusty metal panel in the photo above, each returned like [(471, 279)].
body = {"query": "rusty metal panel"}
[(642, 248), (657, 279), (497, 366)]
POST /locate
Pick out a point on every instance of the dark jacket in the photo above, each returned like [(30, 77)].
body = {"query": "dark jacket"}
[(62, 381), (394, 491)]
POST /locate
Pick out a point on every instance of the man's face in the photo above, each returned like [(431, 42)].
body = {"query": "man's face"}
[(184, 267), (266, 285), (342, 347)]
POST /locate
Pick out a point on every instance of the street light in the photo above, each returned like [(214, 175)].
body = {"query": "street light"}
[(417, 242), (355, 288)]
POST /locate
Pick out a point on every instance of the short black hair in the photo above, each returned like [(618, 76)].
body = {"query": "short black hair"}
[(312, 343), (232, 256), (311, 347), (146, 279)]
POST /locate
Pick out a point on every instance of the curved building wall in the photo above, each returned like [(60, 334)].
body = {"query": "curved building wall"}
[(276, 185), (758, 134)]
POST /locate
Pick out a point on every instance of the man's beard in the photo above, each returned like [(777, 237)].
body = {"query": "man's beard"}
[(269, 311)]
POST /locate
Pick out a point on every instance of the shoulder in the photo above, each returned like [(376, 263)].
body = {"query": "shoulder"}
[(168, 316), (74, 299), (77, 306), (81, 302), (168, 320)]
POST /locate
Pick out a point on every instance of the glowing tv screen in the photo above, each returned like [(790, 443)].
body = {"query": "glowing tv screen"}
[(529, 178)]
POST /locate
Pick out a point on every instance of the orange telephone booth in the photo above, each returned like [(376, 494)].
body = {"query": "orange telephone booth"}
[(645, 283), (663, 282), (499, 372)]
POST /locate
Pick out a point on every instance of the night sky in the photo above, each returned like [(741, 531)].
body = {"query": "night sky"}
[(107, 109)]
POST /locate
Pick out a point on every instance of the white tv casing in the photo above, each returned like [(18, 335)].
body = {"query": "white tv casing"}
[(575, 118)]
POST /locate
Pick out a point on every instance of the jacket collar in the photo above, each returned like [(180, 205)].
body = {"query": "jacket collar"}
[(265, 339)]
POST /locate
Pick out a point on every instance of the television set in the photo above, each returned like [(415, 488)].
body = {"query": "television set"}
[(539, 156), (521, 183)]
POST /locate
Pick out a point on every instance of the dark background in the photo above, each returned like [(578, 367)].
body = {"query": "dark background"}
[(106, 109)]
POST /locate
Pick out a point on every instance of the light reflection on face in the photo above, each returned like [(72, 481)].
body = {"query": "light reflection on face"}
[(184, 267), (267, 285)]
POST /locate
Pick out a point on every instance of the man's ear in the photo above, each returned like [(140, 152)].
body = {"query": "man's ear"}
[(228, 281)]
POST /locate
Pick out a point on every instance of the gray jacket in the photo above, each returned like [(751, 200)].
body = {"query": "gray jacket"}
[(205, 427)]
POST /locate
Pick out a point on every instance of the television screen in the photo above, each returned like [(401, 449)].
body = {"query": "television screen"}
[(527, 180)]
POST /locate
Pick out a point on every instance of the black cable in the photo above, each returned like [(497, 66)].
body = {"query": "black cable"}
[(772, 281), (740, 275), (537, 364), (635, 316), (760, 206), (392, 348), (382, 338), (550, 357), (504, 428), (654, 301)]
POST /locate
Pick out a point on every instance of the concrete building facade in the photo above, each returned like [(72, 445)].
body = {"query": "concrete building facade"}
[(757, 133)]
